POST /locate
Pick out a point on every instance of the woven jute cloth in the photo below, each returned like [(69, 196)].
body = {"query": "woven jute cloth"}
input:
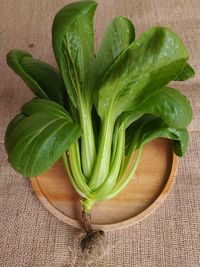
[(29, 235)]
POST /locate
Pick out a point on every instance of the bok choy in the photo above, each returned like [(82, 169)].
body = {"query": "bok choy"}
[(101, 107)]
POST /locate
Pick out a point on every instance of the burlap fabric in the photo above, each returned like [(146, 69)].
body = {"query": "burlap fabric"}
[(29, 235)]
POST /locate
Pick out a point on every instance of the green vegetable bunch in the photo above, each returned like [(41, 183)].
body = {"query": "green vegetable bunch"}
[(100, 108)]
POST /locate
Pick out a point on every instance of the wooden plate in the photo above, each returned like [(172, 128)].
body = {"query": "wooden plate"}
[(153, 180)]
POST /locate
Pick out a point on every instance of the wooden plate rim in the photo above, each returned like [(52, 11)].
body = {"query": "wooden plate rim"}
[(114, 226)]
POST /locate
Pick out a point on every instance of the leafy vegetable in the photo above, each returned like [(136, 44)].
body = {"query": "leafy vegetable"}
[(149, 63), (36, 140), (117, 101), (43, 79), (73, 47), (166, 103), (119, 34), (186, 73)]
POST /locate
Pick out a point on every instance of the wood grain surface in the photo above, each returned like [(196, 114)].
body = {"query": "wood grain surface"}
[(147, 190)]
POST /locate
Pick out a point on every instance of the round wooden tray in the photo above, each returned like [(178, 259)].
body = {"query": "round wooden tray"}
[(153, 180)]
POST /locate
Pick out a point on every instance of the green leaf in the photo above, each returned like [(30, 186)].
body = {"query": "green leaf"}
[(149, 64), (186, 73), (44, 106), (172, 106), (11, 128), (43, 79), (157, 128), (150, 127), (167, 103), (35, 142), (118, 36), (180, 146), (73, 46)]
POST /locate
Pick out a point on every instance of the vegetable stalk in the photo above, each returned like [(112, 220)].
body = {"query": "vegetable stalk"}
[(88, 149), (102, 163)]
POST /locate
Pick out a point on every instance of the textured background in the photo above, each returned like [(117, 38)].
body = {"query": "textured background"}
[(29, 235)]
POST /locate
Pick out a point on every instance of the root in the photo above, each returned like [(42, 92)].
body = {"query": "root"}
[(87, 258), (91, 240), (93, 244), (86, 220), (90, 247)]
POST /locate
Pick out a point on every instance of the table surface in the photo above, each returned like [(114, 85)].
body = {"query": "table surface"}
[(30, 235)]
